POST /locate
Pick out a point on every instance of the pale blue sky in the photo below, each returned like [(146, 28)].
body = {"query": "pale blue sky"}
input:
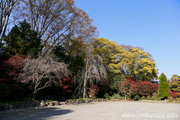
[(151, 24)]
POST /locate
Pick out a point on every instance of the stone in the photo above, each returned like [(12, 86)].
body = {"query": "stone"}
[(42, 104), (62, 103), (51, 104), (56, 103)]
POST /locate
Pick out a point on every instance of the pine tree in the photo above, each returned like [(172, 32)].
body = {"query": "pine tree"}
[(163, 86), (22, 40), (175, 83)]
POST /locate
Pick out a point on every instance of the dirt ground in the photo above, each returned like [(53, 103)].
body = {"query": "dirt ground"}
[(99, 111)]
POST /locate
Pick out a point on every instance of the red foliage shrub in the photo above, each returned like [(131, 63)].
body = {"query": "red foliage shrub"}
[(10, 68), (9, 71), (173, 94), (134, 88), (93, 91), (143, 88), (98, 90), (66, 85), (125, 86)]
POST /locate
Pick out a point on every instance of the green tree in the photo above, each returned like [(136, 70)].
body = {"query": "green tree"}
[(163, 86), (115, 81), (72, 52), (22, 40), (175, 83)]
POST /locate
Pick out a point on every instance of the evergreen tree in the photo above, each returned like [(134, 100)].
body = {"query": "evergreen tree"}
[(22, 40), (163, 86), (175, 84)]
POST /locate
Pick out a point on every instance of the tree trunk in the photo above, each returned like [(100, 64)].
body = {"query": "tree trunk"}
[(34, 95), (84, 89)]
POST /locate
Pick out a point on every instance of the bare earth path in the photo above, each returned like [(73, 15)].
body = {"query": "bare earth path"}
[(99, 111)]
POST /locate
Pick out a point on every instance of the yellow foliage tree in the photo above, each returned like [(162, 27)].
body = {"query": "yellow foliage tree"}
[(138, 65), (175, 83), (133, 63), (110, 53)]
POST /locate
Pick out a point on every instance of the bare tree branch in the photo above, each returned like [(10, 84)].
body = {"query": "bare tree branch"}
[(42, 72), (6, 7), (57, 21), (94, 71)]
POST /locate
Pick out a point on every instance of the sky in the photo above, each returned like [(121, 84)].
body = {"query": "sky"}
[(151, 24)]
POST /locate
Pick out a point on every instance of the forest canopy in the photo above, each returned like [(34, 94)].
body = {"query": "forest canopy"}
[(50, 48)]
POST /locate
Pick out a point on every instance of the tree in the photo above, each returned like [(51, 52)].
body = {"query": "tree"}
[(131, 62), (10, 68), (93, 72), (173, 94), (42, 72), (9, 72), (138, 65), (22, 40), (175, 83), (163, 86), (133, 88), (6, 7), (57, 21), (72, 52), (125, 87), (110, 53), (115, 80), (143, 88)]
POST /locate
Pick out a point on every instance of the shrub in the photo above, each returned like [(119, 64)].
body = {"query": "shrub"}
[(136, 97), (141, 88), (170, 99), (148, 97), (125, 87), (143, 98), (93, 91), (35, 101), (107, 96), (177, 99), (173, 94), (157, 98), (152, 98), (155, 94), (117, 96)]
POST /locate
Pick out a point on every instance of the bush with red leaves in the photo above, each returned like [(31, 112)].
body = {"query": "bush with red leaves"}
[(93, 91), (66, 85), (173, 94), (141, 88), (125, 86), (9, 71), (10, 68)]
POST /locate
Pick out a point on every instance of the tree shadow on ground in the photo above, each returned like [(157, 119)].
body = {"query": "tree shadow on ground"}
[(34, 113)]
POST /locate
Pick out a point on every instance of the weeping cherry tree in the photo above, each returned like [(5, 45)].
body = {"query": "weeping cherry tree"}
[(93, 72)]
